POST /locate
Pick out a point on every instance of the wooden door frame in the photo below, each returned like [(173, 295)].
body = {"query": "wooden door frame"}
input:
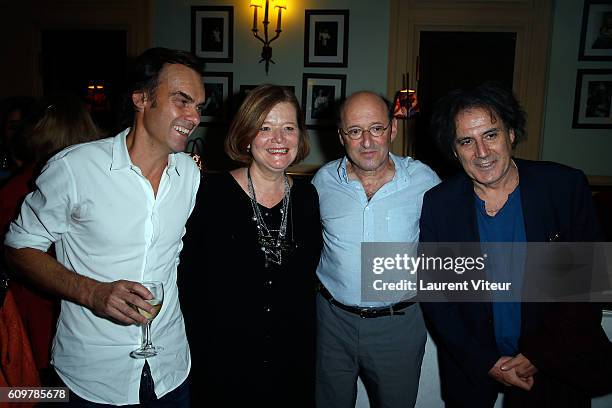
[(531, 20)]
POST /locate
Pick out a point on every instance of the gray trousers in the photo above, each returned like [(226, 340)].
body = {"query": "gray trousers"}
[(385, 352)]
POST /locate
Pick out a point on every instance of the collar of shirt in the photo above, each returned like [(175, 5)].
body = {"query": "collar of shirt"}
[(401, 172), (121, 157), (400, 178)]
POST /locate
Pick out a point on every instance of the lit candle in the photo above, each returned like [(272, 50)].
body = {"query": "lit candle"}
[(266, 11), (278, 22)]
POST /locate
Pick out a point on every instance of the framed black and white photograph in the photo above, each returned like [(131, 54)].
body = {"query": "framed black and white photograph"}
[(326, 38), (212, 33), (596, 35), (593, 100), (320, 95), (216, 109)]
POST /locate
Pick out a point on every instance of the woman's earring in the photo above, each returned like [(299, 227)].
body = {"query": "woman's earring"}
[(249, 149)]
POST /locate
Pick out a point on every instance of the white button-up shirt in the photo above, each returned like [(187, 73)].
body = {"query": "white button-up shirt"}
[(107, 224)]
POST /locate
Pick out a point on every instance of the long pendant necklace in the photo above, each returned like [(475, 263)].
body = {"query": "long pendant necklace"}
[(271, 242)]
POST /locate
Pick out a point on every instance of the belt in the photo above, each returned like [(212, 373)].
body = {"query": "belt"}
[(366, 312)]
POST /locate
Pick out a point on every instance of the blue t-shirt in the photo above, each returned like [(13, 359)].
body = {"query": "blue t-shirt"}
[(505, 263)]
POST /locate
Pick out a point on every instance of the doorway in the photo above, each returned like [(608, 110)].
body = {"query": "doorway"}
[(508, 41), (90, 64), (456, 59)]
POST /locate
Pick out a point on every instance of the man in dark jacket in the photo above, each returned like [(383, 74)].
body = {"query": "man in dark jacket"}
[(540, 354)]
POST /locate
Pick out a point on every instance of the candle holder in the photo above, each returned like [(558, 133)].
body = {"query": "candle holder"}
[(266, 52)]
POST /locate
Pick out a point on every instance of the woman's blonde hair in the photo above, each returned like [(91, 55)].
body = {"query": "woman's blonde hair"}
[(60, 121)]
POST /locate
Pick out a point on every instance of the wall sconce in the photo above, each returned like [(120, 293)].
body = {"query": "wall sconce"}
[(405, 103), (406, 106), (266, 52)]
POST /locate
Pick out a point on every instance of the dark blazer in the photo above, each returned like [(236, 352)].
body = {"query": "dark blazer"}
[(562, 340)]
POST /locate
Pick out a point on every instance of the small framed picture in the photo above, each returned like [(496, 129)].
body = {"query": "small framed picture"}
[(596, 35), (326, 38), (593, 100), (219, 89), (320, 95), (212, 33)]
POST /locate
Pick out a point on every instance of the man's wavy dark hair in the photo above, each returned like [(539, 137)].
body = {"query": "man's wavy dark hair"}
[(144, 75), (490, 96)]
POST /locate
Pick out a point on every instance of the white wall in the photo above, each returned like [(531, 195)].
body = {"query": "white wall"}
[(587, 149), (367, 60)]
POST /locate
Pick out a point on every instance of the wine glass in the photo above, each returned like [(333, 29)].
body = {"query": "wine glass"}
[(147, 349)]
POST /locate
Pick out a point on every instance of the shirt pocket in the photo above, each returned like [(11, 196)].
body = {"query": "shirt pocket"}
[(403, 223)]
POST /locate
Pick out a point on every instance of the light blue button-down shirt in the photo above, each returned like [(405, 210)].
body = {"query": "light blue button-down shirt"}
[(391, 215)]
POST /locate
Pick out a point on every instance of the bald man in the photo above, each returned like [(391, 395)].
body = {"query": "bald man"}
[(370, 195)]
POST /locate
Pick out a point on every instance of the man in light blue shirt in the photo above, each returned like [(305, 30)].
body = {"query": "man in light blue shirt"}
[(370, 195)]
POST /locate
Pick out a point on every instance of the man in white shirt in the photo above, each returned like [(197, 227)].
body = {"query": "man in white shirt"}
[(116, 211)]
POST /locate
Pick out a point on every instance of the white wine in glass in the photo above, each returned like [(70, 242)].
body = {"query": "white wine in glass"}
[(157, 304), (147, 349)]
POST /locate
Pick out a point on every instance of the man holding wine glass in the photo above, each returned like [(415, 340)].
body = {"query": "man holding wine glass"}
[(116, 211)]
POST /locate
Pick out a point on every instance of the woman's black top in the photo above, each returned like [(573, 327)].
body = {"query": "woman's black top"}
[(250, 327)]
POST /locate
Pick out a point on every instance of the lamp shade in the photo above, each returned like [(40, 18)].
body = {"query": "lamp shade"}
[(257, 3)]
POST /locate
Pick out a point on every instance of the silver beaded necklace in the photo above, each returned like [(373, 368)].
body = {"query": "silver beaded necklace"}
[(272, 246)]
